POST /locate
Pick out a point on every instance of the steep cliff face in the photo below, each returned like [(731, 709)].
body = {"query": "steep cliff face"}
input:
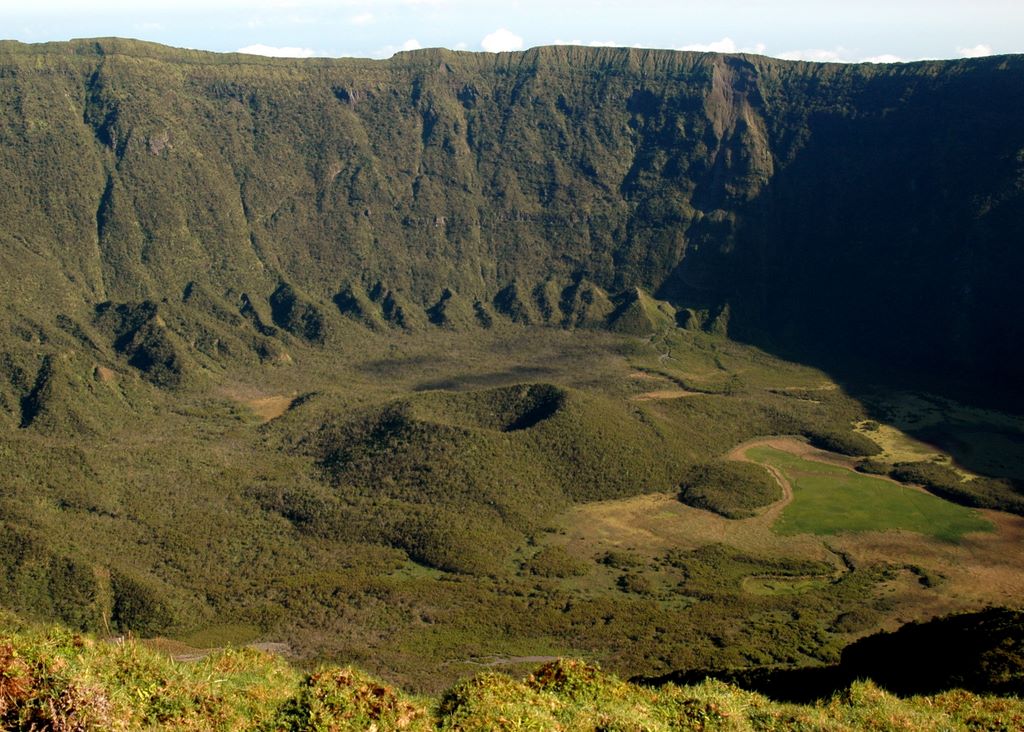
[(869, 209)]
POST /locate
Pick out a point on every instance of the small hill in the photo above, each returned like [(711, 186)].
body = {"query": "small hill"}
[(448, 467), (732, 489), (140, 334), (396, 310), (515, 302), (586, 305), (354, 303), (452, 311), (297, 315), (638, 313)]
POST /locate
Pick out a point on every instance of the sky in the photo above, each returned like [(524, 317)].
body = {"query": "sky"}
[(817, 30)]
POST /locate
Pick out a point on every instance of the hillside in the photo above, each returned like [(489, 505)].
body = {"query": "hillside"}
[(425, 363), (887, 198), (57, 680)]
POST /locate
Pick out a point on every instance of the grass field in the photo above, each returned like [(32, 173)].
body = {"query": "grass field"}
[(829, 499)]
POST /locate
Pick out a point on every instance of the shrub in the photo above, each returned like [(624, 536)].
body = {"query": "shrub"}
[(620, 560), (555, 561), (873, 467), (346, 699), (943, 481), (731, 489), (849, 443), (636, 584), (567, 677)]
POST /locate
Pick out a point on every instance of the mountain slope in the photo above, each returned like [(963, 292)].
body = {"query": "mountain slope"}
[(870, 211)]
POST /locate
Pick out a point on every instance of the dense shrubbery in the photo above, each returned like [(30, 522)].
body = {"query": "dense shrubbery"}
[(981, 652), (849, 442), (302, 528), (43, 585), (873, 467), (980, 492), (733, 489), (345, 699), (555, 561)]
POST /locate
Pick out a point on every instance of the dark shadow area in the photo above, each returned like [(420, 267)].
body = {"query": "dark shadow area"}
[(541, 402), (885, 249), (464, 382), (981, 652)]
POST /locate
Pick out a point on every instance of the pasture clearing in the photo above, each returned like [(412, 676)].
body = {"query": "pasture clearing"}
[(829, 499)]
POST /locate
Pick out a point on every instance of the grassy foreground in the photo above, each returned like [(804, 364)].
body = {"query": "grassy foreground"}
[(62, 681)]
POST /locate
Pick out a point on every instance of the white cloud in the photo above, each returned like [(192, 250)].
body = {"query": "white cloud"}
[(501, 40), (593, 44), (977, 52), (361, 19), (726, 45), (885, 58), (390, 50), (822, 55), (838, 55), (258, 49)]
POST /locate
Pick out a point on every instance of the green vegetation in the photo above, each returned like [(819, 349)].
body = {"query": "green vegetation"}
[(554, 561), (547, 186), (829, 499), (56, 680), (326, 352), (734, 490), (846, 442), (981, 492)]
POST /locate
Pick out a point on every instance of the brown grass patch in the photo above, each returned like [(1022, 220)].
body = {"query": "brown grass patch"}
[(271, 407), (264, 406), (15, 679), (985, 568), (655, 523)]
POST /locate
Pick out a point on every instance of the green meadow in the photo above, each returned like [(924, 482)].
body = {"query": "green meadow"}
[(829, 499)]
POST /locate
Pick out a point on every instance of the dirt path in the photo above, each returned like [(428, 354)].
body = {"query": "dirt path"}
[(198, 654), (788, 444), (796, 446), (510, 660), (650, 396), (981, 569)]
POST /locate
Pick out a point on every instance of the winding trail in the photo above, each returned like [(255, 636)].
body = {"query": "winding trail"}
[(787, 444), (651, 396)]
